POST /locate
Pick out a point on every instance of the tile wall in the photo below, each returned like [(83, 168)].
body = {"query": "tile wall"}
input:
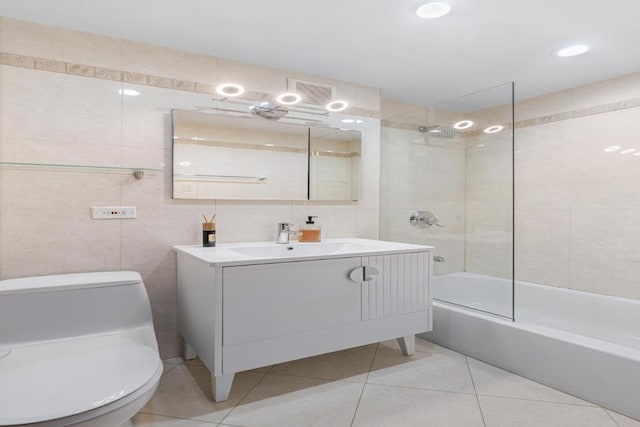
[(577, 163), (60, 104)]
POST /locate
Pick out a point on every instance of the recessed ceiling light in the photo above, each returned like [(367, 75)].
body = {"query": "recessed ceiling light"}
[(612, 149), (463, 124), (493, 129), (269, 145), (576, 50), (436, 9), (357, 121), (230, 89), (185, 163), (627, 151), (128, 92), (337, 105), (289, 98)]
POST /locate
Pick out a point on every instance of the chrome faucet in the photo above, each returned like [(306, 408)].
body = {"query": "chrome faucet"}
[(283, 233), (438, 258)]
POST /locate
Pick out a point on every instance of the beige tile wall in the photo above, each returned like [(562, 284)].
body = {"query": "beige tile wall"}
[(422, 173), (60, 104), (576, 204), (577, 207)]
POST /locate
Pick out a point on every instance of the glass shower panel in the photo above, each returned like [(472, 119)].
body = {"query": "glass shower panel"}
[(447, 181)]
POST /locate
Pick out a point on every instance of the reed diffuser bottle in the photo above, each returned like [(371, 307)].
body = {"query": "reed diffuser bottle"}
[(209, 231)]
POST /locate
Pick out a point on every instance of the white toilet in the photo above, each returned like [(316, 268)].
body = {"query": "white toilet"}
[(76, 350)]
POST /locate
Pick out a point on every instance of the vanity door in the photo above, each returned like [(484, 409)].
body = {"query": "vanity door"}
[(395, 284), (266, 301)]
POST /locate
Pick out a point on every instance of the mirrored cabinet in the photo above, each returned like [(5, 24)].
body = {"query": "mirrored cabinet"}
[(221, 156)]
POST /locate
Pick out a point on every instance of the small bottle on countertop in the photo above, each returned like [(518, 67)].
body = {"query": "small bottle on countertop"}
[(209, 232), (310, 231)]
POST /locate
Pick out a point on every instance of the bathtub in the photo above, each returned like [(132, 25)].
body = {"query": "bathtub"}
[(584, 344)]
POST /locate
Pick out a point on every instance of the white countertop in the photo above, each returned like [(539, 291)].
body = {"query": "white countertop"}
[(269, 252)]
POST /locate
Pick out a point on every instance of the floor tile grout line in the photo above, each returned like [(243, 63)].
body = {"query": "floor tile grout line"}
[(373, 359), (592, 405), (475, 391), (177, 418), (264, 375), (611, 416)]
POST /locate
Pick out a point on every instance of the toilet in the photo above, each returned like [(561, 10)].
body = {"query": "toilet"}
[(76, 350)]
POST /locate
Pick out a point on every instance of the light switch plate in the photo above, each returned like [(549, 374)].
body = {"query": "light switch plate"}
[(113, 212)]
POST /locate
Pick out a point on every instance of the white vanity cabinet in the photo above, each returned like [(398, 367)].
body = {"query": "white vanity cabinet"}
[(238, 312)]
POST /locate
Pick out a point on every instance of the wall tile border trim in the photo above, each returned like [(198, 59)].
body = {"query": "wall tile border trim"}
[(83, 70), (535, 121)]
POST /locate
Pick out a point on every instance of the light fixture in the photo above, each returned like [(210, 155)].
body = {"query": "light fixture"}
[(185, 163), (463, 124), (637, 153), (435, 9), (575, 50), (493, 129), (289, 98), (628, 151), (230, 89), (350, 121), (338, 105), (435, 130), (128, 92), (269, 145), (612, 149)]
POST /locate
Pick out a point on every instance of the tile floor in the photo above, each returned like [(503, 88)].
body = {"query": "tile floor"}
[(374, 385)]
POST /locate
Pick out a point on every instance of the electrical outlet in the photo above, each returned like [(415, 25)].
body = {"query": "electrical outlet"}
[(113, 212)]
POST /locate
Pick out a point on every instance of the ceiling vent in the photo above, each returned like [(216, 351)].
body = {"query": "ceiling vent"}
[(313, 94)]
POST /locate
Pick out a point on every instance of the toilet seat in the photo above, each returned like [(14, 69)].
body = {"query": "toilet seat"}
[(65, 378)]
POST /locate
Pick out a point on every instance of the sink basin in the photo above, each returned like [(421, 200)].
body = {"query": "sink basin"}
[(227, 254), (299, 249)]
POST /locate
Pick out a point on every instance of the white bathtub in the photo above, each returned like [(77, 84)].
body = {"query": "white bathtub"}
[(585, 344)]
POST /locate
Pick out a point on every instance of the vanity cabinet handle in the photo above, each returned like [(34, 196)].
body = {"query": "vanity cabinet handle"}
[(370, 273), (363, 274)]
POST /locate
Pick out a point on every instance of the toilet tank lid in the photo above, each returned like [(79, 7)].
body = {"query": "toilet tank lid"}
[(66, 282)]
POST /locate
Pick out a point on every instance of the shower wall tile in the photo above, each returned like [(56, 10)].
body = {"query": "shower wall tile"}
[(543, 159), (43, 41), (542, 268), (604, 275), (604, 179), (543, 231), (598, 232)]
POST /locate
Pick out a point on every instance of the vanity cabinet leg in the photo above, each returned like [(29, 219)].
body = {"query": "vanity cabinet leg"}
[(407, 345), (221, 386), (189, 352)]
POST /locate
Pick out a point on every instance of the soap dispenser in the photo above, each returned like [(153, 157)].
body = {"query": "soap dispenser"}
[(310, 231)]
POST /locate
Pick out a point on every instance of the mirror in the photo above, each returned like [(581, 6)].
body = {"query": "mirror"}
[(334, 166), (221, 156)]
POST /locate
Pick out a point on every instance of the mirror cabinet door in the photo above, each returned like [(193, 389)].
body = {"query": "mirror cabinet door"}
[(218, 156), (226, 157), (334, 164)]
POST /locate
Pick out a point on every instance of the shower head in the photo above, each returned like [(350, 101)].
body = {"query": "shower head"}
[(438, 131), (270, 111)]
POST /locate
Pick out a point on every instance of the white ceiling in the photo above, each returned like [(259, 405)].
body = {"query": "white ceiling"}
[(381, 43)]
